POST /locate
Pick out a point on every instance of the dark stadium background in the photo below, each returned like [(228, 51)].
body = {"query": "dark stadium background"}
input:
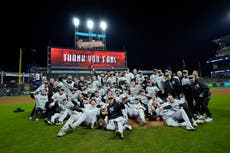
[(155, 34)]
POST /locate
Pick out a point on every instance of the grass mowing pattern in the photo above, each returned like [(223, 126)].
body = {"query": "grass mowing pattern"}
[(20, 135)]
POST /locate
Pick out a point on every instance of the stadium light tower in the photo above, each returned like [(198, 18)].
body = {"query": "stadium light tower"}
[(90, 26), (76, 23), (103, 26)]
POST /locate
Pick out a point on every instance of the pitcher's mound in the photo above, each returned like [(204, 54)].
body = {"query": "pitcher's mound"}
[(136, 123)]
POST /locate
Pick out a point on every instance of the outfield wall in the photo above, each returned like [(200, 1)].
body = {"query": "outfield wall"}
[(9, 85)]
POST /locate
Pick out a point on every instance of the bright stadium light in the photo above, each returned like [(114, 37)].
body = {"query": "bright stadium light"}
[(76, 22), (90, 24), (103, 25)]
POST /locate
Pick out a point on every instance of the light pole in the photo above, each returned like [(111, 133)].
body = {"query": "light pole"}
[(90, 25), (76, 23), (103, 26), (20, 72)]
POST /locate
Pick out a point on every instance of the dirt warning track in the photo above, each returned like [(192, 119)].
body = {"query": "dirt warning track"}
[(15, 99), (220, 91)]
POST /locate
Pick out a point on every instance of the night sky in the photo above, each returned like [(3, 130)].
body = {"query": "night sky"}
[(155, 34)]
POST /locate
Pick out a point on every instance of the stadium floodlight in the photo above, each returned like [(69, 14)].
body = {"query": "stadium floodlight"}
[(76, 22), (90, 24), (103, 25)]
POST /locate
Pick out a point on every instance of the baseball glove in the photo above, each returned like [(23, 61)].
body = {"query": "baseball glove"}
[(101, 123)]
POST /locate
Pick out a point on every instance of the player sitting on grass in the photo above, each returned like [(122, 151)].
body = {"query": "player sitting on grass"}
[(136, 109), (115, 119), (172, 115), (65, 108), (89, 116)]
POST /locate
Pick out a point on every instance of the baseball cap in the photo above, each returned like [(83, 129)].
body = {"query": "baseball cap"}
[(190, 77), (185, 71), (167, 74), (159, 70), (110, 97), (125, 97), (142, 90), (62, 88), (74, 89)]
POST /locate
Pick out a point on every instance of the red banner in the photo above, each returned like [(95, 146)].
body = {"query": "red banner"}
[(87, 59)]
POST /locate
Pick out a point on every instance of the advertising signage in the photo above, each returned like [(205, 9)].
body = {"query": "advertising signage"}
[(86, 59)]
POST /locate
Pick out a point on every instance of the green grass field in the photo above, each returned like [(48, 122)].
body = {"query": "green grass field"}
[(20, 135)]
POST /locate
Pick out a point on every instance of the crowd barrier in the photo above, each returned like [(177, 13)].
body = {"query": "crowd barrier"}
[(23, 89)]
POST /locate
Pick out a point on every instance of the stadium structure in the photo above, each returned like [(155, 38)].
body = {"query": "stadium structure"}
[(221, 61)]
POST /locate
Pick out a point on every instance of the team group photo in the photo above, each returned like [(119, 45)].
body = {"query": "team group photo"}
[(118, 76)]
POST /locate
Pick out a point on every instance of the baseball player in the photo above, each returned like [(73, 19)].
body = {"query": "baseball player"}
[(187, 91), (115, 119), (89, 115), (136, 109), (172, 115), (152, 104), (65, 109), (68, 83), (56, 99), (41, 100), (151, 88), (201, 95), (153, 76), (128, 75)]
